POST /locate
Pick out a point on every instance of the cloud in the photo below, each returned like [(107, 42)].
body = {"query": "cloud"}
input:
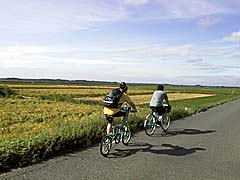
[(214, 80), (234, 37), (33, 56), (200, 64), (22, 50), (185, 9), (209, 21), (60, 16), (135, 2), (182, 50), (51, 16)]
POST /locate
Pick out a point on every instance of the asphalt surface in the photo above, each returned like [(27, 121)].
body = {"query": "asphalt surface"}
[(203, 146)]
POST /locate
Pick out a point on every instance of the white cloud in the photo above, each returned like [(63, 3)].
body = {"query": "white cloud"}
[(33, 56), (60, 16), (182, 50), (50, 16), (200, 64), (219, 80), (135, 2), (22, 50), (209, 21), (191, 9), (234, 37)]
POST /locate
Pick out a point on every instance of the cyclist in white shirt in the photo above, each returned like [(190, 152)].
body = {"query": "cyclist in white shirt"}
[(158, 97)]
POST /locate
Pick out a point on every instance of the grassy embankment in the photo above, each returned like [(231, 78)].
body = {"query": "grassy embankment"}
[(49, 120)]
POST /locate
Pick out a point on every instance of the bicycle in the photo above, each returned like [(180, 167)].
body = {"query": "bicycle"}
[(153, 120), (119, 133)]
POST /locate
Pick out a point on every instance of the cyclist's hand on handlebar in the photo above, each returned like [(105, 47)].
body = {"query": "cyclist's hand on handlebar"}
[(134, 110)]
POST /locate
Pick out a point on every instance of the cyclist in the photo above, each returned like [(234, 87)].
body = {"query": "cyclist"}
[(156, 102), (110, 113)]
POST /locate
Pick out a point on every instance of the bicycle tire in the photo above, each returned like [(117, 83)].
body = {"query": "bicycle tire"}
[(149, 124), (126, 137), (106, 145), (165, 122)]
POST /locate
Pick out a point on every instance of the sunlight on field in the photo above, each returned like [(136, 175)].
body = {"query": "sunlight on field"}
[(139, 99), (145, 98)]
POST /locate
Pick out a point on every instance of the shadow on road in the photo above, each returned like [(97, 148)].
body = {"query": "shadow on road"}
[(186, 132), (169, 149)]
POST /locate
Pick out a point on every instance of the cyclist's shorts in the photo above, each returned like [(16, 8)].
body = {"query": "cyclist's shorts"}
[(160, 110), (120, 113)]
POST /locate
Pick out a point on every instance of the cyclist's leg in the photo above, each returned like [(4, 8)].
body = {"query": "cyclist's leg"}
[(125, 116), (157, 109), (122, 113), (110, 123), (161, 110)]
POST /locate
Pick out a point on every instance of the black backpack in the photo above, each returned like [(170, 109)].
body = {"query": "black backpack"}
[(111, 99)]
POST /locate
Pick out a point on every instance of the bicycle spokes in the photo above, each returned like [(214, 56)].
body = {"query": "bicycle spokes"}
[(126, 137), (106, 145), (150, 124), (165, 123)]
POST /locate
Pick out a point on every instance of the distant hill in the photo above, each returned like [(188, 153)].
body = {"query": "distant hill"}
[(83, 82), (51, 81)]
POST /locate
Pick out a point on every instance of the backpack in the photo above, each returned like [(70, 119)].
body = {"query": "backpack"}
[(112, 98)]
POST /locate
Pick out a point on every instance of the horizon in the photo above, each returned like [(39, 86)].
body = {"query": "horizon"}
[(99, 81), (137, 41)]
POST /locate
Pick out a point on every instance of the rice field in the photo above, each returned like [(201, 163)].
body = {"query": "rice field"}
[(75, 91), (145, 98), (20, 117), (27, 114), (42, 120)]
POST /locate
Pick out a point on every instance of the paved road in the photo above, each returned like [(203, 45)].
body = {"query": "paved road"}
[(203, 146)]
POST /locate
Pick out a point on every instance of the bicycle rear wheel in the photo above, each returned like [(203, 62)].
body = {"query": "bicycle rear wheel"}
[(106, 145), (165, 122), (149, 124), (126, 137)]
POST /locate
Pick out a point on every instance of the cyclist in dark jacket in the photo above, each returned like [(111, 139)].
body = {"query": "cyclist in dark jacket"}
[(110, 113)]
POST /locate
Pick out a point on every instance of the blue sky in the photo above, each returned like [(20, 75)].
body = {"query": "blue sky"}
[(159, 41)]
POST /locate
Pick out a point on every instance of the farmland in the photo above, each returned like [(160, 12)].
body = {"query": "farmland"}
[(43, 120)]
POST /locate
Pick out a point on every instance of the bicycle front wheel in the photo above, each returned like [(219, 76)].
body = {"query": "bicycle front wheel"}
[(106, 145), (165, 122), (149, 124), (126, 137)]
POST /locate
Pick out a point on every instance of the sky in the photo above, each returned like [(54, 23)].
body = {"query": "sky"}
[(143, 41)]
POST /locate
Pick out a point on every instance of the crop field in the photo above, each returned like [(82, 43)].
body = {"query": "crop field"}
[(145, 98), (22, 117), (43, 120)]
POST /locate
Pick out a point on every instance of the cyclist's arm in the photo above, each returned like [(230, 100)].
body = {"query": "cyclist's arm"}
[(133, 106), (129, 101), (166, 99)]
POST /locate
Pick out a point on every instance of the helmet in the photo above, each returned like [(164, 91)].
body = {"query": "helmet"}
[(123, 86), (160, 87)]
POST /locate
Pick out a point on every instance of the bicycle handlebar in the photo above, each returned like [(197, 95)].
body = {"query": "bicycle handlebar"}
[(129, 109)]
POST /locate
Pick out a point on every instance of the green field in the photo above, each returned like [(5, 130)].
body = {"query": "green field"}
[(43, 120)]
